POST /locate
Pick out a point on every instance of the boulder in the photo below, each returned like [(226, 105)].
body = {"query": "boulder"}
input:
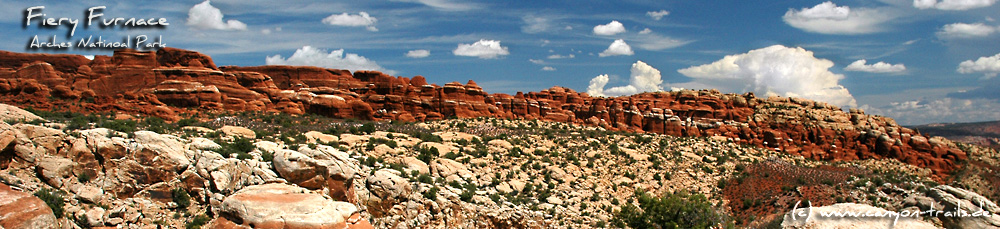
[(284, 206), (444, 167), (236, 131), (318, 137), (23, 210), (321, 168)]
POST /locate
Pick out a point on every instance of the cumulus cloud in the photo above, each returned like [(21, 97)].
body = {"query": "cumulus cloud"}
[(828, 18), (952, 4), (644, 78), (924, 111), (612, 28), (338, 59), (484, 49), (962, 30), (988, 65), (646, 31), (548, 68), (617, 48), (356, 20), (419, 53), (774, 70), (536, 61), (557, 56), (206, 16), (657, 15), (880, 67)]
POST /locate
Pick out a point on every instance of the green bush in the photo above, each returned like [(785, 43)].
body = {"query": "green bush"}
[(239, 146), (197, 222), (672, 210), (432, 193), (54, 199), (427, 154), (181, 197)]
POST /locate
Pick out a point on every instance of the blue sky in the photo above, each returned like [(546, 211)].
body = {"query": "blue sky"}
[(926, 61)]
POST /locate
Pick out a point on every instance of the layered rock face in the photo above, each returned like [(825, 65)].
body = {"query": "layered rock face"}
[(161, 83)]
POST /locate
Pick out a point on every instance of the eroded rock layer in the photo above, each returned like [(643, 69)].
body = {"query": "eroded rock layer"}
[(169, 81)]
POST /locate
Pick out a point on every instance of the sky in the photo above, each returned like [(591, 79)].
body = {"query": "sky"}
[(917, 61)]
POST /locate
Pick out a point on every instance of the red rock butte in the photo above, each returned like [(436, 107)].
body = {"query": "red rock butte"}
[(168, 81)]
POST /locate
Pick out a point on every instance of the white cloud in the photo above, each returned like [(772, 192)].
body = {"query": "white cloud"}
[(596, 87), (557, 56), (941, 110), (484, 49), (617, 48), (988, 65), (828, 18), (419, 53), (534, 24), (774, 70), (338, 59), (644, 78), (612, 28), (646, 31), (445, 5), (952, 4), (880, 67), (206, 16), (656, 42), (657, 15), (548, 68), (962, 30), (356, 20), (536, 61)]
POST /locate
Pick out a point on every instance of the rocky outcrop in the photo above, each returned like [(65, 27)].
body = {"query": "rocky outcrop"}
[(967, 209), (161, 83), (22, 210)]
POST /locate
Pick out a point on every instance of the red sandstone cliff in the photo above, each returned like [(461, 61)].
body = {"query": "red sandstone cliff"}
[(161, 83)]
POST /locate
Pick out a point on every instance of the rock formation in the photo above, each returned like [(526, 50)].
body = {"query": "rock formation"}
[(165, 82)]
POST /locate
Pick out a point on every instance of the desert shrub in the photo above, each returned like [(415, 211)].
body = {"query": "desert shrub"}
[(239, 146), (424, 178), (431, 194), (181, 197), (125, 126), (427, 154), (197, 222), (672, 210), (54, 199)]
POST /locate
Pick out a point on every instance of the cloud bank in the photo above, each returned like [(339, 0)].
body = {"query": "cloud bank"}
[(828, 18), (205, 16), (963, 30), (337, 59), (880, 67), (644, 78), (774, 70), (988, 65), (952, 4)]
